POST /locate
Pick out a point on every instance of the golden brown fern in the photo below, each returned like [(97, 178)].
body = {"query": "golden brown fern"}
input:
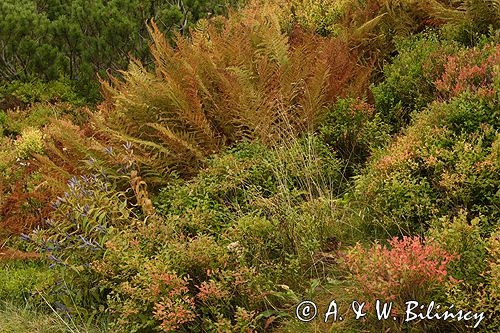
[(234, 78)]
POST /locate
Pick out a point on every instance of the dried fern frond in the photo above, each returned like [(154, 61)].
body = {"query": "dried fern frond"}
[(235, 78)]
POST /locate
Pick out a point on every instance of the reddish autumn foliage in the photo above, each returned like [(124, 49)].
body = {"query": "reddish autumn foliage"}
[(472, 70), (406, 269)]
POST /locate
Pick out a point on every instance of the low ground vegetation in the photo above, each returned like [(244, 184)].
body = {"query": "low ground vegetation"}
[(288, 150)]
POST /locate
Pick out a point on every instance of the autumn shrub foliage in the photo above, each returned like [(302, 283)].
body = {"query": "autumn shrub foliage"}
[(429, 68), (445, 160), (439, 176), (230, 178), (405, 270), (472, 70), (410, 268)]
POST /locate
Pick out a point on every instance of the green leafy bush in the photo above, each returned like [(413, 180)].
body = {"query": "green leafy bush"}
[(60, 90), (445, 161), (19, 279), (30, 142), (353, 130), (36, 116), (269, 203), (2, 118), (408, 83), (233, 180), (478, 265), (323, 16)]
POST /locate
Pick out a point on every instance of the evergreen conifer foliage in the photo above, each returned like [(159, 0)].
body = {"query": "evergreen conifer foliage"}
[(51, 38)]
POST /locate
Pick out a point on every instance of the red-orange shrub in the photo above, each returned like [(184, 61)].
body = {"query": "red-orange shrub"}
[(472, 70), (409, 269)]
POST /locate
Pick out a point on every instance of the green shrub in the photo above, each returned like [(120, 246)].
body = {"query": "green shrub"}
[(408, 82), (36, 116), (37, 91), (31, 142), (18, 280), (445, 161), (233, 180), (320, 16), (477, 268), (7, 156), (353, 130)]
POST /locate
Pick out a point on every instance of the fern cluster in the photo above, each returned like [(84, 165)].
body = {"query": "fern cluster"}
[(234, 79)]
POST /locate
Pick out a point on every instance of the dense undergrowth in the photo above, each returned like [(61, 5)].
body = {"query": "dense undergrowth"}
[(290, 150)]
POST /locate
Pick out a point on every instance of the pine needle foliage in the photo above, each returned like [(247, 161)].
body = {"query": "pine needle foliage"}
[(235, 78)]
